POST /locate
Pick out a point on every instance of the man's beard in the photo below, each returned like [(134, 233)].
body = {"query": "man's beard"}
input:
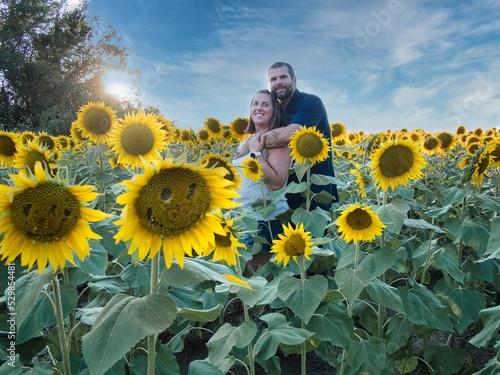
[(283, 94)]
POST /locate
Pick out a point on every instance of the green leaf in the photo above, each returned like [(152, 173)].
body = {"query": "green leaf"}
[(294, 188), (439, 211), (165, 363), (352, 282), (28, 288), (111, 284), (475, 234), (399, 331), (422, 224), (378, 262), (202, 316), (303, 296), (314, 221), (491, 326), (367, 356), (445, 360), (250, 296), (135, 275), (97, 262), (321, 179), (424, 308), (226, 338), (406, 365), (393, 215), (385, 295), (335, 328), (204, 367), (40, 368), (123, 322), (470, 302), (491, 368), (42, 314), (446, 260), (494, 239)]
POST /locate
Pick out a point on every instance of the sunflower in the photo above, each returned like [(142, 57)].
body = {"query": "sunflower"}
[(292, 244), (76, 134), (169, 128), (203, 136), (431, 144), (361, 178), (46, 141), (44, 219), (28, 155), (338, 130), (226, 246), (8, 148), (63, 142), (212, 160), (214, 127), (238, 127), (186, 137), (169, 207), (95, 121), (480, 163), (461, 130), (495, 154), (26, 136), (252, 169), (359, 223), (309, 144), (447, 141), (394, 163), (137, 138)]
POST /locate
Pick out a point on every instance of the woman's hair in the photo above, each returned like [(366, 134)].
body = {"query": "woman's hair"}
[(275, 121)]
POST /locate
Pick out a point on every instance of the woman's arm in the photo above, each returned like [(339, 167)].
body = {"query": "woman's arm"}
[(276, 167)]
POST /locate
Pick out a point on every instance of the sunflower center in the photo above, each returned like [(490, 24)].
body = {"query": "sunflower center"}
[(337, 130), (309, 145), (137, 139), (173, 201), (446, 140), (396, 161), (7, 146), (359, 219), (203, 135), (495, 154), (47, 142), (223, 241), (295, 245), (32, 157), (431, 143), (97, 121), (213, 125), (483, 164), (254, 167), (219, 163), (45, 213), (240, 126)]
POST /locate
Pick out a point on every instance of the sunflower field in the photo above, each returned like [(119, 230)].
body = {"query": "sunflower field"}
[(124, 240)]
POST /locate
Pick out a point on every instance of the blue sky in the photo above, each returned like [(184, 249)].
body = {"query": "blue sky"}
[(377, 65)]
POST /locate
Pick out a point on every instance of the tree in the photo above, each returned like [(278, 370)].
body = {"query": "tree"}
[(52, 61)]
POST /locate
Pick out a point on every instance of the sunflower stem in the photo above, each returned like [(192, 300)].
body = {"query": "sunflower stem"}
[(60, 325), (303, 347), (155, 264), (251, 361), (308, 191), (356, 254)]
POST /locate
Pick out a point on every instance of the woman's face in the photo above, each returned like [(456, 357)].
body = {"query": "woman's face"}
[(261, 109)]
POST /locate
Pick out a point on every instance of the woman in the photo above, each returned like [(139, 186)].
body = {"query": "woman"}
[(275, 162)]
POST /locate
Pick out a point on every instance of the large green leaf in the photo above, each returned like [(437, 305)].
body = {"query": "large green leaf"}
[(226, 338), (494, 239), (40, 368), (199, 367), (444, 359), (314, 221), (203, 316), (42, 314), (385, 295), (422, 224), (135, 275), (367, 356), (303, 296), (491, 322), (475, 233), (399, 331), (28, 288), (97, 262), (393, 215), (378, 262), (352, 282), (335, 328), (165, 363), (123, 322), (423, 307), (446, 261), (250, 296)]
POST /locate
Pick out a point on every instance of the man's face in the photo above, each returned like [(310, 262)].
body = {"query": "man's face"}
[(280, 83)]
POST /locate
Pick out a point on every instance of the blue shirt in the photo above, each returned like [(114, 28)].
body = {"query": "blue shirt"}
[(308, 110)]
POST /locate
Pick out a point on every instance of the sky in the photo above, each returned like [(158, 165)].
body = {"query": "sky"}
[(376, 64)]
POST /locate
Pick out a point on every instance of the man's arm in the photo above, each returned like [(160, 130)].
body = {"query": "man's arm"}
[(280, 137)]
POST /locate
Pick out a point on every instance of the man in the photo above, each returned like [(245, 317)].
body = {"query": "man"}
[(299, 109)]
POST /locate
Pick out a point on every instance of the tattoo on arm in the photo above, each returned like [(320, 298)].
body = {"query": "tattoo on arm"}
[(272, 140)]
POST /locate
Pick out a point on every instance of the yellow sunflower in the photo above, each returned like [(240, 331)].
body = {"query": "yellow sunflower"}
[(461, 130), (238, 127), (186, 137), (214, 127), (76, 134), (203, 136), (169, 207), (213, 161), (28, 155), (226, 246), (252, 169), (359, 223), (431, 144), (137, 138), (447, 141), (309, 144), (63, 142), (26, 136), (480, 163), (395, 163), (46, 141), (495, 153), (95, 121), (292, 244), (44, 219), (338, 130), (8, 148)]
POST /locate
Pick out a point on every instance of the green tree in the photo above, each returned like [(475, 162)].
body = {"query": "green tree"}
[(52, 61)]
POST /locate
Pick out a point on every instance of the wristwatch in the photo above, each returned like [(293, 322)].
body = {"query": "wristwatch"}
[(256, 154)]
